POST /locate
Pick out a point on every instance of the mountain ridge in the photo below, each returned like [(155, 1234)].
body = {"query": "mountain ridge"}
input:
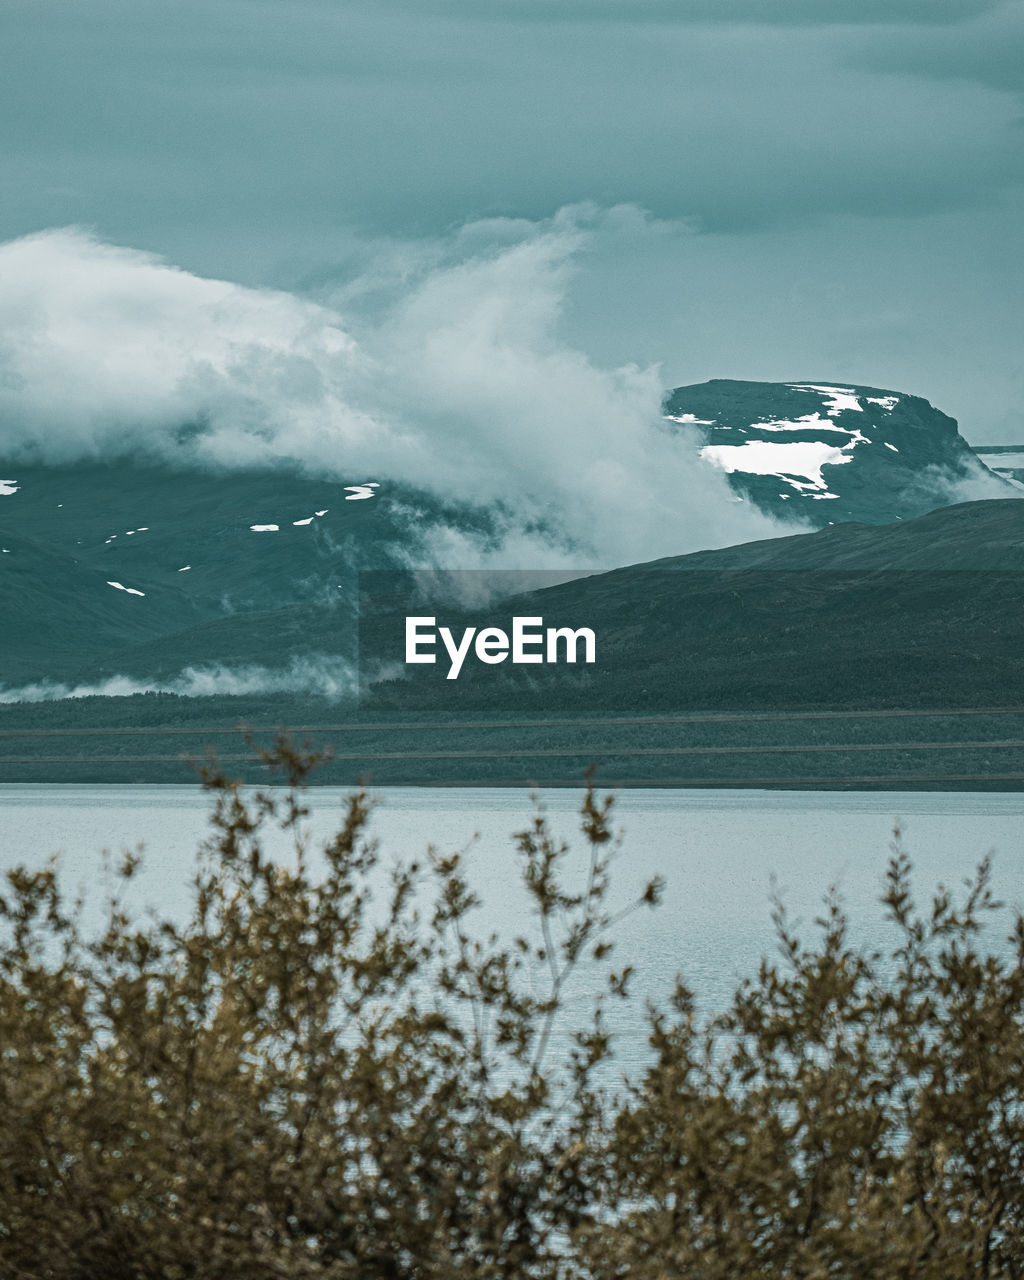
[(144, 570)]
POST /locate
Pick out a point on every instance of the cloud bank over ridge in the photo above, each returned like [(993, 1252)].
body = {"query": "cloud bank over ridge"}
[(441, 368)]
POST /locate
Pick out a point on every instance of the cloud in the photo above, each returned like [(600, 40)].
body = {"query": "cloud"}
[(723, 12), (443, 369), (979, 484), (986, 52), (237, 141), (320, 675)]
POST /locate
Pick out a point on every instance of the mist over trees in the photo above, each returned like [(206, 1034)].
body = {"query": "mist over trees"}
[(308, 1078)]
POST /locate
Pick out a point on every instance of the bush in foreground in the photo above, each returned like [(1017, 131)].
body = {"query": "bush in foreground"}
[(307, 1081)]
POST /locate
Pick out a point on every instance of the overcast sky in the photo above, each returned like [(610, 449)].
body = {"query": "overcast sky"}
[(766, 189)]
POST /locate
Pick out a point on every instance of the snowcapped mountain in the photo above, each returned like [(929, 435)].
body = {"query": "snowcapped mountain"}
[(826, 453), (111, 569)]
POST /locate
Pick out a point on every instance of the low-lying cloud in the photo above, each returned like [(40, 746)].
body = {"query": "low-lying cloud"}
[(321, 675), (442, 368)]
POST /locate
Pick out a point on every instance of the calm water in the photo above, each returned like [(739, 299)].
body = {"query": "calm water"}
[(718, 851)]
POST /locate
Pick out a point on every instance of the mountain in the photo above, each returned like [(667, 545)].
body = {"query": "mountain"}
[(826, 453), (145, 571), (855, 656), (140, 569), (980, 536), (59, 611), (916, 614)]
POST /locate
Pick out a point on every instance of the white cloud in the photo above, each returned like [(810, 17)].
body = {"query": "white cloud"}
[(454, 380), (320, 675)]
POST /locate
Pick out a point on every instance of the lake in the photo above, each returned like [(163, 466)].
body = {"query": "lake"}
[(718, 851)]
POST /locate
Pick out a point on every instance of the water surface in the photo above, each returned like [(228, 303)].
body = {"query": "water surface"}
[(719, 852)]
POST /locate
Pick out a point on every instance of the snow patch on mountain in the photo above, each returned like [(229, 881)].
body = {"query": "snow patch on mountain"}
[(809, 422), (839, 399), (798, 462), (799, 458), (1003, 462)]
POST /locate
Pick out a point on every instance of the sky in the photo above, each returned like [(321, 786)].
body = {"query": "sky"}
[(627, 194)]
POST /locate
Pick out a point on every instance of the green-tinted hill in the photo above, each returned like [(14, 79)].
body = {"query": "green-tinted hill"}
[(214, 568), (61, 612), (930, 612), (971, 535), (857, 656)]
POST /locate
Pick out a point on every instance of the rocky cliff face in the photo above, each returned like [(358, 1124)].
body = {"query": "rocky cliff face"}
[(829, 452)]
